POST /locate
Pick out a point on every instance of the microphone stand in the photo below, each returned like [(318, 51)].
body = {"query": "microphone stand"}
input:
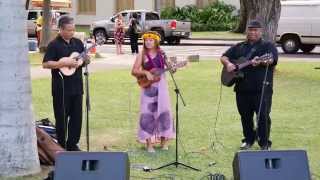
[(264, 84), (88, 107), (176, 163)]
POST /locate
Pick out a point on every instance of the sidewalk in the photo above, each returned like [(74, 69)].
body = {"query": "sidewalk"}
[(216, 39), (107, 61)]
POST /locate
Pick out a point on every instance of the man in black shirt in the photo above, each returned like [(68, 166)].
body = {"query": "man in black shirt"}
[(67, 91), (248, 89)]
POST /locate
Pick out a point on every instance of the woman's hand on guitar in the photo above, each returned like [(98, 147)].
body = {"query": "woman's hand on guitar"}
[(173, 70), (231, 67), (149, 75)]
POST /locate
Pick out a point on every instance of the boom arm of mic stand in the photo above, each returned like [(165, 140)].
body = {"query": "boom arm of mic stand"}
[(176, 88)]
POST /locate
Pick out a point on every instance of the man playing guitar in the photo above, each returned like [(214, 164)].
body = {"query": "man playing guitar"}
[(248, 89), (67, 91)]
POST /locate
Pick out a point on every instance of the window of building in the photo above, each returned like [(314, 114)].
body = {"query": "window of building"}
[(124, 5), (167, 3), (204, 3), (87, 7)]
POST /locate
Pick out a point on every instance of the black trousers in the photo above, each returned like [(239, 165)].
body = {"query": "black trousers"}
[(68, 115), (134, 43), (248, 104)]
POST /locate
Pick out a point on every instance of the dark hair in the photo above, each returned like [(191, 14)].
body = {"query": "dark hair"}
[(134, 15), (63, 20)]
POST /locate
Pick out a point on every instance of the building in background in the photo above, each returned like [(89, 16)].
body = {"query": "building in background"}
[(87, 11), (55, 4)]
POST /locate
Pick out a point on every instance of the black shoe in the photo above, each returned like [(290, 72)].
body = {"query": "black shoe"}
[(245, 146), (265, 148), (74, 148)]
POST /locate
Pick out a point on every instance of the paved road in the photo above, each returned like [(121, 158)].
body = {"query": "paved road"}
[(208, 49)]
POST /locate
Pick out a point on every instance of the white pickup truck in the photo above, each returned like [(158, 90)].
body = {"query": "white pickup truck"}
[(171, 31), (299, 26)]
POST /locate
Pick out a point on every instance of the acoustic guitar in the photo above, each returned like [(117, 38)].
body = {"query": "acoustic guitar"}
[(230, 78), (156, 72), (68, 71)]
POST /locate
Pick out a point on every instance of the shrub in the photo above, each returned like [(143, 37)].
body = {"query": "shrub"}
[(217, 16)]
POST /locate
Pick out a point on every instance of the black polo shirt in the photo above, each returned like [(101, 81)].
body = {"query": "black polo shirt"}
[(253, 76), (57, 49)]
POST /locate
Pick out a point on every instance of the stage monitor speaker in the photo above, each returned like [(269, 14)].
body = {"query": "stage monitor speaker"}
[(92, 166), (271, 165)]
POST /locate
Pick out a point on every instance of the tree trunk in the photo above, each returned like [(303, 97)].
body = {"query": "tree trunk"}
[(18, 145), (243, 17), (268, 13), (46, 29)]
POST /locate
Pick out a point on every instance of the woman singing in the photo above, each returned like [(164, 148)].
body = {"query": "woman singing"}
[(155, 122)]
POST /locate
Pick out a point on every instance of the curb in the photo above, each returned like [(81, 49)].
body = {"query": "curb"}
[(215, 39)]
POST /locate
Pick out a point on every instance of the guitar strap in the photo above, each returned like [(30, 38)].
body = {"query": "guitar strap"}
[(162, 60), (150, 59)]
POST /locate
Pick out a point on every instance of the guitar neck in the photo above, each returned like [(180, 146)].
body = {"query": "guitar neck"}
[(266, 56), (179, 65), (81, 55), (243, 65)]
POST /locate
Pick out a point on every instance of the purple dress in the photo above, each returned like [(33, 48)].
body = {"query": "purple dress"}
[(155, 108)]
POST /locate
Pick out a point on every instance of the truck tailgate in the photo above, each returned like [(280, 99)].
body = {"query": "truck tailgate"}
[(183, 26)]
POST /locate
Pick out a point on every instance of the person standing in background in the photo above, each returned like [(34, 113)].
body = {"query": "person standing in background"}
[(134, 34), (39, 24), (119, 33)]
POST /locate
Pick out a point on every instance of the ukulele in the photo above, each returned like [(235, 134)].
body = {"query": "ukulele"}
[(156, 72), (230, 78), (68, 71)]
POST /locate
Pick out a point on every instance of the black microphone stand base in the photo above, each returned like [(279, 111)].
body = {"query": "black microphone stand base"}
[(176, 164)]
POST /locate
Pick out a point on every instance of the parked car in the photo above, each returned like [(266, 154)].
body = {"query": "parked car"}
[(299, 26), (33, 14), (170, 30)]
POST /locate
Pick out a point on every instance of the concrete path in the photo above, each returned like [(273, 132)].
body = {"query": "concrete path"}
[(108, 61)]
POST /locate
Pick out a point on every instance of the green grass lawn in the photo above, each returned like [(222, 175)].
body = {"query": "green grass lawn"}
[(35, 58), (114, 115), (218, 35), (84, 29)]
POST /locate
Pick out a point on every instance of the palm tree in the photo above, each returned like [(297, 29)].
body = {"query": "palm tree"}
[(46, 29), (18, 148)]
